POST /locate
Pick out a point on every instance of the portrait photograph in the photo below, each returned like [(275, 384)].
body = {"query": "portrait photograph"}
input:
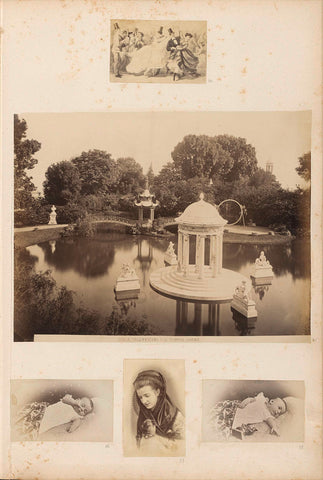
[(151, 51), (61, 410), (154, 408), (204, 230), (253, 411)]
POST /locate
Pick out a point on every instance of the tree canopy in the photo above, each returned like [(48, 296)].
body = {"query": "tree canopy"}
[(98, 172), (222, 156), (130, 176), (150, 175), (62, 184), (24, 150), (304, 167)]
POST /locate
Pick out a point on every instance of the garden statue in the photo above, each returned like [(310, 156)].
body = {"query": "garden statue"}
[(127, 285), (170, 255), (242, 302), (127, 271), (52, 216), (262, 269)]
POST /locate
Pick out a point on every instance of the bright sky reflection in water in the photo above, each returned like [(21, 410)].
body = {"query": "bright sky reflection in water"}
[(90, 268)]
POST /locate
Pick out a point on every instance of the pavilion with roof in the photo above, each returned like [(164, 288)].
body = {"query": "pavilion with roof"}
[(199, 274), (146, 201)]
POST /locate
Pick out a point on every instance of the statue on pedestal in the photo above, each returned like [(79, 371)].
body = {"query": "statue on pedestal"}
[(52, 216), (128, 285), (242, 302), (262, 269)]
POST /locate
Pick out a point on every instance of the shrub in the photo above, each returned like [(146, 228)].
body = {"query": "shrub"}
[(70, 213), (84, 227), (36, 214)]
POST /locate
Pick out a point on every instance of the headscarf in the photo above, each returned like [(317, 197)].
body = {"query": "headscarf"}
[(164, 412)]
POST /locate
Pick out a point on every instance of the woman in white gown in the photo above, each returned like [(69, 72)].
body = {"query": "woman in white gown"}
[(150, 59)]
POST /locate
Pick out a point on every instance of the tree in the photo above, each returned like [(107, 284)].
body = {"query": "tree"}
[(150, 175), (130, 176), (62, 184), (242, 154), (98, 172), (24, 149), (304, 168), (200, 156), (261, 177), (223, 156), (175, 193)]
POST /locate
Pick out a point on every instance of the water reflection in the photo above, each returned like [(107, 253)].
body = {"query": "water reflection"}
[(145, 257), (292, 258), (198, 319), (260, 290), (90, 267), (88, 257)]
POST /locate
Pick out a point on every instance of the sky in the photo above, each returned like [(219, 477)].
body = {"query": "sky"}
[(150, 137)]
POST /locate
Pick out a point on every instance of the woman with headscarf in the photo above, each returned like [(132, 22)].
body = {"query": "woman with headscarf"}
[(158, 416)]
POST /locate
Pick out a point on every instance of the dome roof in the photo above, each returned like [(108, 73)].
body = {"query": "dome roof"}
[(201, 213)]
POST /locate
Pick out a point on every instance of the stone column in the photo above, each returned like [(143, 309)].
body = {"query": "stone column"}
[(201, 255), (180, 251), (198, 317), (140, 214), (213, 255), (178, 313), (184, 313), (217, 318), (186, 252), (152, 211), (197, 252), (220, 254)]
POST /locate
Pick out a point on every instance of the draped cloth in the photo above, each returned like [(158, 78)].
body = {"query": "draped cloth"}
[(164, 413), (149, 57)]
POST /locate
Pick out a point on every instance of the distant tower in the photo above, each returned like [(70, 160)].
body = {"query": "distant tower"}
[(269, 167)]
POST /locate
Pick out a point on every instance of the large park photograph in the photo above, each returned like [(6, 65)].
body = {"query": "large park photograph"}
[(162, 224)]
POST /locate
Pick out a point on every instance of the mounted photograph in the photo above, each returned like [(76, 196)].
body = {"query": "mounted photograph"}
[(164, 224), (61, 410), (253, 411), (154, 51), (154, 408)]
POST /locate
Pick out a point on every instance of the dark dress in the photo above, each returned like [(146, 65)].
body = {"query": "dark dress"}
[(182, 60), (166, 417)]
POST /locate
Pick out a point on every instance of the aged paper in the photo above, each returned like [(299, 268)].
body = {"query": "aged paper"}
[(262, 56)]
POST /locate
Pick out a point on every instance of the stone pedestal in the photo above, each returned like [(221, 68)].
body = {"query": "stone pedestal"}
[(128, 285), (242, 303), (262, 269)]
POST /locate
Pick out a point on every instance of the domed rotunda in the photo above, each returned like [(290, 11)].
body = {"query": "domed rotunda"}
[(198, 275)]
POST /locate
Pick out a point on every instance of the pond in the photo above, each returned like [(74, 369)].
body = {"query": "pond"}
[(90, 268)]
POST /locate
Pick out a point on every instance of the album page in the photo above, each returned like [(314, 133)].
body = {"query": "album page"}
[(161, 239)]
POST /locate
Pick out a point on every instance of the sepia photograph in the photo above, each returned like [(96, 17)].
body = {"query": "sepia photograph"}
[(154, 51), (154, 408), (61, 410), (168, 224), (253, 410)]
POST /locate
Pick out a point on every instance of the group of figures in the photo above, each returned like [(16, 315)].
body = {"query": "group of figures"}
[(173, 53)]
